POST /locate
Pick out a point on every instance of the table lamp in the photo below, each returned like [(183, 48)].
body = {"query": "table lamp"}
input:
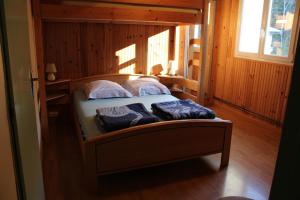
[(51, 69)]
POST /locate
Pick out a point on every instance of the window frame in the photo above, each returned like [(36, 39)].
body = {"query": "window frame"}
[(261, 56)]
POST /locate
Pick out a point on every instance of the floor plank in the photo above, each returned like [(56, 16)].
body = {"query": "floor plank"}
[(249, 174)]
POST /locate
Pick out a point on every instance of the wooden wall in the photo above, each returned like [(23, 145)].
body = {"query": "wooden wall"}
[(84, 49), (254, 86)]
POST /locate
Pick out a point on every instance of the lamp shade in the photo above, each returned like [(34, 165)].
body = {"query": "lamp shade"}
[(51, 68)]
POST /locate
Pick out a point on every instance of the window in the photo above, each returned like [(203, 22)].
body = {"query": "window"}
[(267, 29)]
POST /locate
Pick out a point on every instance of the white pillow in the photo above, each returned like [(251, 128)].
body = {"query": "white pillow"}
[(104, 89), (145, 86)]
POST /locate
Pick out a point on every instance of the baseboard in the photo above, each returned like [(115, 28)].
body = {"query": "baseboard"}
[(272, 121)]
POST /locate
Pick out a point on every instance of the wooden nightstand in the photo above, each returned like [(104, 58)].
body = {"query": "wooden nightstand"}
[(58, 95)]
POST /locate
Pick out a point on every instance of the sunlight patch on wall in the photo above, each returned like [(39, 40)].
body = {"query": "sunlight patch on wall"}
[(126, 59), (158, 51), (128, 70), (126, 54), (175, 63)]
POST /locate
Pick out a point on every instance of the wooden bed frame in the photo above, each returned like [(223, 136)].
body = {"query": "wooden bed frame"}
[(149, 145)]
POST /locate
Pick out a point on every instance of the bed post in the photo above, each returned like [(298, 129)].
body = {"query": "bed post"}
[(226, 147), (91, 181)]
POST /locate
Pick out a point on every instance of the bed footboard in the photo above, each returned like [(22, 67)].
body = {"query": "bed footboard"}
[(156, 144)]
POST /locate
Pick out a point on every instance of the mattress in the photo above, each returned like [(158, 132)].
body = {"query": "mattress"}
[(86, 109)]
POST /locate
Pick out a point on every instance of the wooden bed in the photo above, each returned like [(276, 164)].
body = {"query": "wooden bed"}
[(151, 144)]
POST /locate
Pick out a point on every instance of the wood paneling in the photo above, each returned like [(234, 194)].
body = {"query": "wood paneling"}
[(85, 49), (91, 12), (62, 46), (255, 86)]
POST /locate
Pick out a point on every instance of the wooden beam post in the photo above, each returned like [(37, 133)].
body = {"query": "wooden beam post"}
[(205, 89), (201, 93), (208, 89)]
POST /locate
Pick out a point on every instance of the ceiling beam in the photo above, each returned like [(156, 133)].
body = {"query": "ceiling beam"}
[(119, 12)]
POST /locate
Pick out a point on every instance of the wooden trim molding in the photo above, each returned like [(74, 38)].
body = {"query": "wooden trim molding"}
[(111, 12), (222, 102)]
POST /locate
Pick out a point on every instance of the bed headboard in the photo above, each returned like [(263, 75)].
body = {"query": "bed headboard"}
[(119, 78)]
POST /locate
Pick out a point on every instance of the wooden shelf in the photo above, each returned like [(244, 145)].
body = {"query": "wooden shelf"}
[(52, 97), (58, 92), (59, 81)]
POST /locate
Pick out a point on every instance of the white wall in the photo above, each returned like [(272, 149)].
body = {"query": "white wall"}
[(7, 180)]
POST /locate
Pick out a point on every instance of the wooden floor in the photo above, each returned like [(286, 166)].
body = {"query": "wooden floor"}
[(249, 174)]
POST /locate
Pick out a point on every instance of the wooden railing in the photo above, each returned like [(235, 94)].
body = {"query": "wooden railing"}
[(179, 85)]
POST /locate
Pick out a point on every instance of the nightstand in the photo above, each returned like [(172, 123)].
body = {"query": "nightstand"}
[(58, 96)]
